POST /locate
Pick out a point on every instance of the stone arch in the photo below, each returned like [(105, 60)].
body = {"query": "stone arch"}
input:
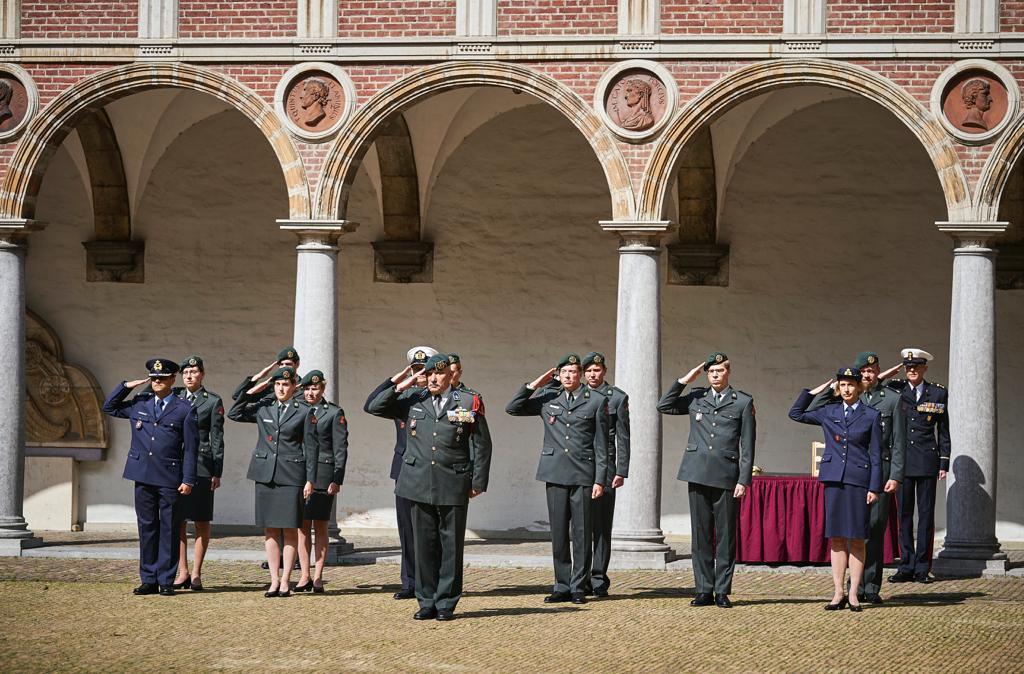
[(358, 134), (48, 129), (996, 172), (758, 78)]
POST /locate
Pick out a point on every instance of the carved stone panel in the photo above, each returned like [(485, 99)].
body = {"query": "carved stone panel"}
[(697, 264), (314, 100), (635, 99), (63, 401), (974, 100), (18, 100), (403, 261)]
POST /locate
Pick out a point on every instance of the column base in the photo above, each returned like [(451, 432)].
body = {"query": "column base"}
[(970, 561), (12, 547), (336, 549), (640, 550)]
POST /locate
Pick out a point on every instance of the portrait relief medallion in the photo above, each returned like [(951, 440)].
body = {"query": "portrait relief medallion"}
[(18, 101), (974, 101), (315, 101), (636, 100)]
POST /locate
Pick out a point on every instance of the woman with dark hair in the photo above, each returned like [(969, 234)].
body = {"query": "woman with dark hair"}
[(851, 469)]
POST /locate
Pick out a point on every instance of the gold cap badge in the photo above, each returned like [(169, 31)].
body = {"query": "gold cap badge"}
[(191, 361), (598, 359), (572, 360), (420, 355), (718, 358), (871, 360), (291, 354), (158, 365)]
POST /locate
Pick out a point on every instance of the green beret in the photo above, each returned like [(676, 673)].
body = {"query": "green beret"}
[(438, 363), (192, 361), (593, 358), (716, 358), (312, 377), (865, 358), (286, 373), (568, 359), (288, 353), (453, 358), (161, 367)]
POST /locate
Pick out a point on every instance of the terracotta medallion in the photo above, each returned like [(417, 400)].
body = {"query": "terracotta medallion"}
[(636, 100), (974, 101), (314, 101), (13, 102)]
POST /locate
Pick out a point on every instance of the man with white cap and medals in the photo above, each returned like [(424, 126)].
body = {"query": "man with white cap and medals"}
[(927, 461)]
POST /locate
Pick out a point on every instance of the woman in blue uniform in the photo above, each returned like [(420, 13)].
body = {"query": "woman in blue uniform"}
[(851, 469), (283, 466)]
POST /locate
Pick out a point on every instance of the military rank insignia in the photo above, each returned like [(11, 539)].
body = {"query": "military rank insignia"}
[(461, 416), (932, 408)]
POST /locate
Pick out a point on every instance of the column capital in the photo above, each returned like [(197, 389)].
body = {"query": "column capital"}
[(969, 234), (318, 234), (14, 231), (637, 235)]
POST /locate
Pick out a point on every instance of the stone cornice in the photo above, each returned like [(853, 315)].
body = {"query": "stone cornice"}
[(530, 48)]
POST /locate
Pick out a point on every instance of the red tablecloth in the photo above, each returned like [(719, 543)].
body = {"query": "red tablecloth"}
[(782, 520)]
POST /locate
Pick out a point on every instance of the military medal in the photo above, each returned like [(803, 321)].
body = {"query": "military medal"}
[(551, 420), (270, 438), (837, 437), (412, 433), (138, 424), (699, 416), (412, 424)]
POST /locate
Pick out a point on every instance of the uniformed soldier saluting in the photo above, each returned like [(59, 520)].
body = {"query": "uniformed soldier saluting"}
[(198, 506), (447, 461), (928, 446), (574, 465), (162, 462), (416, 358), (718, 465), (332, 448), (283, 466), (286, 357), (594, 371)]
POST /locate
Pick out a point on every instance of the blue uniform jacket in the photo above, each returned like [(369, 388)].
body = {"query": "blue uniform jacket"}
[(853, 446), (928, 443), (163, 452), (400, 437)]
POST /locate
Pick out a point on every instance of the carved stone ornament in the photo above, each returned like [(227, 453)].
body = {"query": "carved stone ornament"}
[(403, 261), (697, 264), (314, 100), (974, 100), (63, 401), (635, 99), (19, 101)]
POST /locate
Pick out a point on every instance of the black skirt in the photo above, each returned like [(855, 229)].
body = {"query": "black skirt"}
[(198, 505), (846, 511), (319, 506), (278, 506)]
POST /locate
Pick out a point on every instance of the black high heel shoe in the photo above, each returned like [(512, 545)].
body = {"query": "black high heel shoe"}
[(183, 585), (318, 590), (856, 608), (271, 593), (303, 588), (838, 606)]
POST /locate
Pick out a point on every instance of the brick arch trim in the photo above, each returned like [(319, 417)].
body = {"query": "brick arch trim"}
[(48, 129), (758, 78), (358, 134)]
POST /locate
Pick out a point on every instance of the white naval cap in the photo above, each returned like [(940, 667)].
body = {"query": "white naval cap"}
[(420, 354), (912, 355)]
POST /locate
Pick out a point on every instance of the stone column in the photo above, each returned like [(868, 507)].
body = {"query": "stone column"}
[(316, 318), (637, 537), (15, 535), (971, 546)]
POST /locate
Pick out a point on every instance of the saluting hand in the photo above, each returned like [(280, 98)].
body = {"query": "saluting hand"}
[(692, 375), (265, 371), (882, 376), (401, 374), (259, 387), (408, 381), (135, 382), (542, 380), (184, 489), (819, 389)]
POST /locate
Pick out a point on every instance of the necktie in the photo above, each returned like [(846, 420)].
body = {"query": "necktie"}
[(160, 404), (570, 397), (846, 412), (280, 406), (719, 397), (437, 406), (192, 398), (917, 394)]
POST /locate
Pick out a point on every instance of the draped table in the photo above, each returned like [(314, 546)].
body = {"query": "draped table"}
[(782, 521)]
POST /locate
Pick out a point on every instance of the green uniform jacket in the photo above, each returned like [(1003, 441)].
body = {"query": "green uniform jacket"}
[(210, 409), (618, 445), (444, 457), (332, 444), (577, 438), (285, 453), (894, 426), (720, 450)]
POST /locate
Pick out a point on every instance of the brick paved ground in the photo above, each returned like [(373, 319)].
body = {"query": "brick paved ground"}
[(79, 615)]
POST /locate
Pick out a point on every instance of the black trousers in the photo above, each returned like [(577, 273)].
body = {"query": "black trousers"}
[(713, 537), (917, 558), (874, 562), (403, 509), (603, 513), (440, 537), (159, 517), (569, 511)]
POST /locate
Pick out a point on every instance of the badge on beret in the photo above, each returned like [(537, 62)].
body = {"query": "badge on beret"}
[(291, 354), (871, 360), (158, 365), (572, 360), (598, 359), (848, 372), (718, 358), (315, 379), (191, 361), (441, 366)]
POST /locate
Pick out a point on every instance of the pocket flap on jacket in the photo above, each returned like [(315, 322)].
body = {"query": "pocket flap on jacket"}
[(409, 459)]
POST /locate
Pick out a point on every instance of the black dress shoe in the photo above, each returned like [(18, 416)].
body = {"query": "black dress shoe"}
[(601, 593), (702, 599), (922, 578), (284, 593), (146, 588), (901, 577), (197, 586), (303, 588), (183, 585), (318, 589), (271, 593), (855, 608), (873, 598), (166, 590), (838, 606), (722, 601), (579, 598), (557, 597), (405, 593), (425, 614), (444, 615)]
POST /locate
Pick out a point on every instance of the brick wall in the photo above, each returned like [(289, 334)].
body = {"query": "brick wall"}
[(890, 16), (237, 18), (79, 18), (721, 16), (1011, 16), (395, 18), (557, 17)]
